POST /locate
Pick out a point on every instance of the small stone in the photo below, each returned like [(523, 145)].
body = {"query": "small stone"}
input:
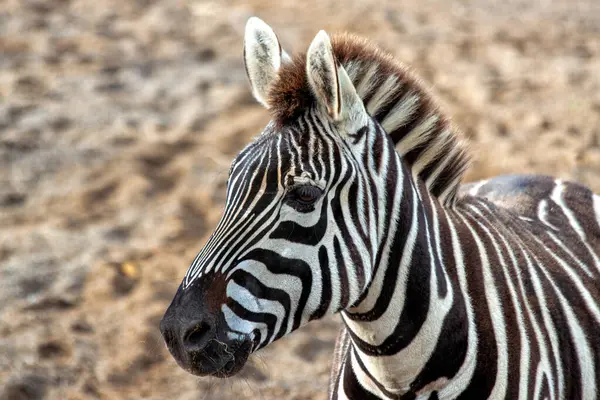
[(252, 373), (205, 55), (28, 387), (110, 87), (82, 326), (110, 70), (52, 349), (312, 347), (126, 278), (203, 86), (85, 59), (15, 112), (546, 124), (52, 302), (35, 284), (29, 85), (14, 199), (61, 123), (198, 124)]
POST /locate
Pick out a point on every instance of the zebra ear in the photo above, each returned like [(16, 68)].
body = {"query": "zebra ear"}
[(262, 57), (329, 81)]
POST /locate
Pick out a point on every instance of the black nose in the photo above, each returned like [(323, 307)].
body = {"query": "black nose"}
[(185, 337), (195, 347), (197, 335)]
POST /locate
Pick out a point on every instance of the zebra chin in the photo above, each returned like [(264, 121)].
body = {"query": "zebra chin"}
[(219, 359)]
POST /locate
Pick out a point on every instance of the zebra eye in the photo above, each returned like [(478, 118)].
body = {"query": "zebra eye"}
[(306, 194)]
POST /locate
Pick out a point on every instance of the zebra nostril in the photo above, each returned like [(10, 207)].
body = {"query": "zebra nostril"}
[(197, 336)]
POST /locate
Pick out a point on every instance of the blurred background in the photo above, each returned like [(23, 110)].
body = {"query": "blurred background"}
[(118, 121)]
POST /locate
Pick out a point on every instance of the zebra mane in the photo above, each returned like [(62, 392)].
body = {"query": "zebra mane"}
[(397, 99)]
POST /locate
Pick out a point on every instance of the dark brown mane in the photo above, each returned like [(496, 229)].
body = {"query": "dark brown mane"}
[(290, 94), (396, 98)]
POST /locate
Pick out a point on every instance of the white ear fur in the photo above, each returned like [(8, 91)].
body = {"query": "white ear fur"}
[(262, 57), (329, 81)]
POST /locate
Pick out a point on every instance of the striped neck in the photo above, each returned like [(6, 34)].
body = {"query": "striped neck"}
[(402, 312)]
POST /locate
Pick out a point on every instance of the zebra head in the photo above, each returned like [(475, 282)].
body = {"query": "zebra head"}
[(298, 237)]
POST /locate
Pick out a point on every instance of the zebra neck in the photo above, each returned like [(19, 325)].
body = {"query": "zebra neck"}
[(396, 327)]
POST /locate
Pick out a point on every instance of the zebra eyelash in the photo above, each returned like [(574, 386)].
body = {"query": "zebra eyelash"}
[(303, 197)]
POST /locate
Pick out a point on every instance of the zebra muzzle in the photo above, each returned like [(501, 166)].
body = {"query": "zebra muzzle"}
[(202, 344)]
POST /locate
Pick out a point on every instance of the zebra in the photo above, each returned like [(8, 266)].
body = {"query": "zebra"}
[(350, 201)]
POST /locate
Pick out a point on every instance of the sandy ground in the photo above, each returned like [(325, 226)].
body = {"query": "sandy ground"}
[(118, 120)]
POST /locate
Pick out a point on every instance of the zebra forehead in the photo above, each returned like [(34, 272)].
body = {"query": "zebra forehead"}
[(270, 150), (296, 137)]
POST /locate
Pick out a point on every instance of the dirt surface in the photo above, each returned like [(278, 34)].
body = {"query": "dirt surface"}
[(118, 121)]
